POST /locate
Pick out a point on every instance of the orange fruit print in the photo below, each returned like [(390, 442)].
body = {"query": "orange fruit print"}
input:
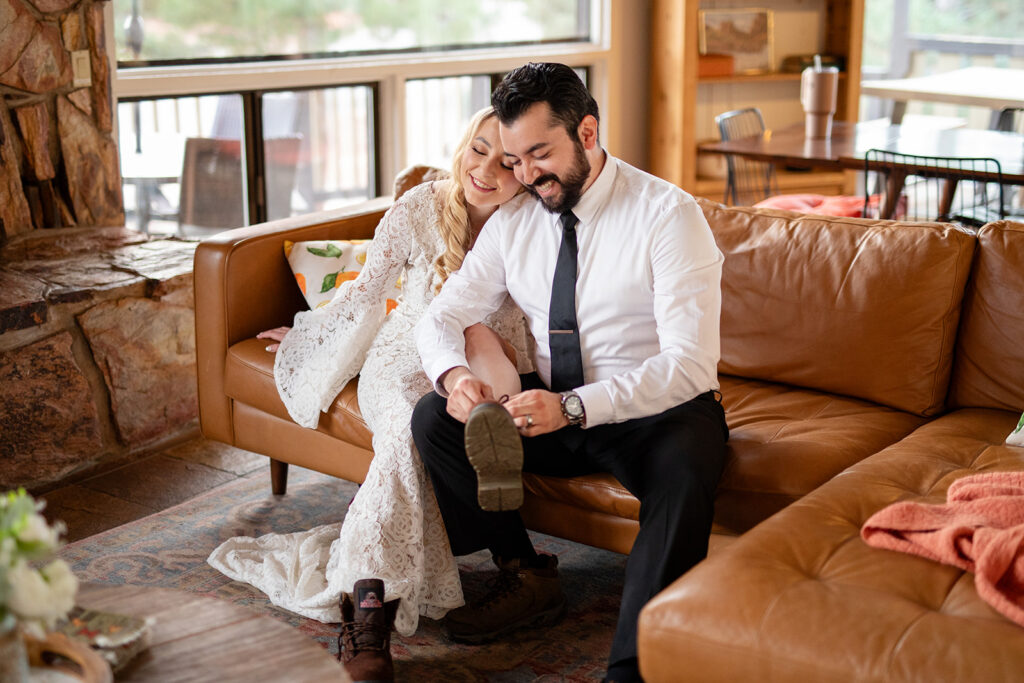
[(345, 276), (301, 279)]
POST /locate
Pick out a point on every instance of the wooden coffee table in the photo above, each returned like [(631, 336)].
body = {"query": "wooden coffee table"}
[(197, 638)]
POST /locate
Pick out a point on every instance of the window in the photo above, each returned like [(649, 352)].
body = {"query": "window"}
[(165, 31), (905, 38), (318, 149), (326, 101), (163, 161), (438, 110), (186, 172)]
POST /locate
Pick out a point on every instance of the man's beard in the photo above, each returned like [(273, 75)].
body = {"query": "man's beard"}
[(572, 186)]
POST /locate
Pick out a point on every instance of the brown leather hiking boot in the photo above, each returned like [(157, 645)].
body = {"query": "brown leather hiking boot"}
[(364, 643), (495, 451), (519, 597)]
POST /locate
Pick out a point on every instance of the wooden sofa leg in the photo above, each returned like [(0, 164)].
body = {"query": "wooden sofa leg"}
[(278, 477)]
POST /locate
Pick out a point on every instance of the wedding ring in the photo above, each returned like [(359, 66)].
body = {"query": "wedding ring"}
[(529, 421), (269, 347)]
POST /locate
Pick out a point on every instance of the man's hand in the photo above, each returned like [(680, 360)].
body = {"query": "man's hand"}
[(537, 412), (465, 390)]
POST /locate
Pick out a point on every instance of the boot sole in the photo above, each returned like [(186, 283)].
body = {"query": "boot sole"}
[(548, 617), (495, 451)]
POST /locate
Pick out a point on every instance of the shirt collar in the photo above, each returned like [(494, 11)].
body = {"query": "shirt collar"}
[(596, 196)]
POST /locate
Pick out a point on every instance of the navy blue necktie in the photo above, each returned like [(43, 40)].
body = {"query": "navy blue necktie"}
[(563, 332)]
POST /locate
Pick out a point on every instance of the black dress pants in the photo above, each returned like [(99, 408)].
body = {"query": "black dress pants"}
[(671, 462)]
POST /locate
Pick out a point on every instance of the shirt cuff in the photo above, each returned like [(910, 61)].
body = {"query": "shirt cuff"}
[(597, 405), (442, 365)]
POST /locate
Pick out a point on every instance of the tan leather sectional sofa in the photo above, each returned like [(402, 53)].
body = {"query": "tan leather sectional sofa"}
[(863, 362), (904, 340)]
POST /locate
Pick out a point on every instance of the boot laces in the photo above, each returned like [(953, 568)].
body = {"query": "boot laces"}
[(506, 583), (351, 640)]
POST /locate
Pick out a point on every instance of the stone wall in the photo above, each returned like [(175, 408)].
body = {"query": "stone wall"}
[(97, 351), (58, 158)]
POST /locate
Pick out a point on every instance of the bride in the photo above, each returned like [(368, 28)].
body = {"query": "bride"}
[(393, 529)]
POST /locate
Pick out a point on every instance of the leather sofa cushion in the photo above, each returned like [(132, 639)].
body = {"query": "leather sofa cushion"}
[(784, 442), (857, 307), (804, 598), (988, 372), (249, 378)]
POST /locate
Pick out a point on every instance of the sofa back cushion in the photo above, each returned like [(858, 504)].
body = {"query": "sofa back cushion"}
[(863, 308), (989, 368)]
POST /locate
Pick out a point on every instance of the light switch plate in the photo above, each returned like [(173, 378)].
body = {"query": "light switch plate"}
[(81, 69)]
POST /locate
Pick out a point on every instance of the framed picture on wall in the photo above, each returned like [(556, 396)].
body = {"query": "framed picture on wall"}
[(745, 34)]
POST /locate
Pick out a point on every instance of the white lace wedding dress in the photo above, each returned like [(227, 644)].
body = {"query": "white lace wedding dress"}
[(393, 529)]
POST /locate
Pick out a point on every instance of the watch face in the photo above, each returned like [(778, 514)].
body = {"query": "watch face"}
[(574, 406)]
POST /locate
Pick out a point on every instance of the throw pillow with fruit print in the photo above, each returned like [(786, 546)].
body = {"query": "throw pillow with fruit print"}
[(321, 266), (1016, 437)]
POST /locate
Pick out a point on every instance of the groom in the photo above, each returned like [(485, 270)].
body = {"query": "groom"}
[(619, 278)]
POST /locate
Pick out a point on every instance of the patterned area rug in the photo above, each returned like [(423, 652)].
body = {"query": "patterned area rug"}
[(169, 550)]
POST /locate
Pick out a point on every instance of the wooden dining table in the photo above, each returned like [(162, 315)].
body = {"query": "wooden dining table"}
[(849, 142)]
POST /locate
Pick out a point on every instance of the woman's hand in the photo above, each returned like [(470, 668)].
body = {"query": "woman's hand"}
[(276, 335)]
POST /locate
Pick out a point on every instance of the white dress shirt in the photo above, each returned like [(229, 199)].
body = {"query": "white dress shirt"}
[(648, 293)]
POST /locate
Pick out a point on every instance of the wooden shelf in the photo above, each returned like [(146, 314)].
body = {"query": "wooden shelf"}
[(676, 87)]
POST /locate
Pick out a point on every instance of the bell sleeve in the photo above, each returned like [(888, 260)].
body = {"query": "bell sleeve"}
[(327, 347)]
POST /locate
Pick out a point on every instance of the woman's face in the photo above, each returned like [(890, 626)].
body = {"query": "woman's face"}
[(486, 180)]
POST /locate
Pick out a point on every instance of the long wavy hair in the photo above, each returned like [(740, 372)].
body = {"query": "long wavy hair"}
[(454, 224)]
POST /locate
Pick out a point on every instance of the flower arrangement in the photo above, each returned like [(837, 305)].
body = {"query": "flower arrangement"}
[(36, 590)]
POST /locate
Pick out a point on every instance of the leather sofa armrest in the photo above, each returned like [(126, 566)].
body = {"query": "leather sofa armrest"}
[(243, 286)]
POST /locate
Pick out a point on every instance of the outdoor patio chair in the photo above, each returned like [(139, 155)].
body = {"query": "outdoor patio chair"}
[(212, 199)]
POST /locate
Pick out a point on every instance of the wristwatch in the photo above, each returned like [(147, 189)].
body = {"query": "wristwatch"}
[(572, 408)]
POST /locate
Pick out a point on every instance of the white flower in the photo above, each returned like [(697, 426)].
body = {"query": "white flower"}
[(41, 595), (32, 596), (7, 550), (37, 532)]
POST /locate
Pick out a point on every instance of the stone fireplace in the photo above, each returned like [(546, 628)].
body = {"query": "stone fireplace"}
[(97, 353), (58, 157)]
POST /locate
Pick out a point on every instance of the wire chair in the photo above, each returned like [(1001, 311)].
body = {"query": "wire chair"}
[(747, 181), (924, 188)]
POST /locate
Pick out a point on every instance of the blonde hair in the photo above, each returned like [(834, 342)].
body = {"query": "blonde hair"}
[(454, 225)]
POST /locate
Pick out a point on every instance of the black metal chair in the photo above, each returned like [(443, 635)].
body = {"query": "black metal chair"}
[(924, 188), (747, 181)]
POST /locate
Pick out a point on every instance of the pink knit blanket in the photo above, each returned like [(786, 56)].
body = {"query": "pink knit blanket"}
[(980, 529)]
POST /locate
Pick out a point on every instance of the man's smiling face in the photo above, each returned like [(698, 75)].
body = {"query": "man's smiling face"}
[(552, 165)]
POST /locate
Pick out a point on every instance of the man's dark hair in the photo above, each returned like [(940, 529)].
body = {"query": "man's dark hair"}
[(556, 84)]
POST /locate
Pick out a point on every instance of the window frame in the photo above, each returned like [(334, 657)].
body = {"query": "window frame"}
[(389, 71)]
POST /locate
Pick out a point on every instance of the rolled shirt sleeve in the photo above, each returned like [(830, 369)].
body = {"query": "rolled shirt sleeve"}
[(468, 296)]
